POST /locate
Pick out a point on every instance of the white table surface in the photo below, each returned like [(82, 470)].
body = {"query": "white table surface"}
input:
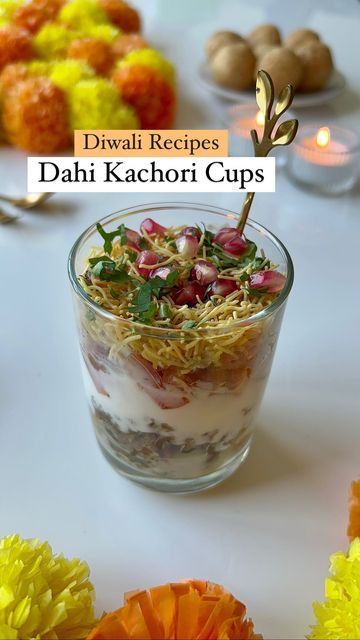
[(267, 532)]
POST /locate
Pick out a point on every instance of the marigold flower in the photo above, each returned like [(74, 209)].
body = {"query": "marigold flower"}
[(42, 596), (183, 610), (35, 116), (7, 9), (122, 15), (105, 32), (15, 45), (11, 74), (95, 104), (339, 615), (94, 52), (78, 14), (52, 41), (32, 15), (65, 74), (354, 511), (128, 42), (145, 89), (150, 58)]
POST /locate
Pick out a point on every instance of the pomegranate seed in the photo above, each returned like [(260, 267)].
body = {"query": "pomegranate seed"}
[(133, 245), (272, 281), (151, 227), (204, 272), (189, 293), (187, 246), (132, 236), (236, 246), (192, 231), (224, 234), (231, 241), (222, 287), (160, 272), (148, 258)]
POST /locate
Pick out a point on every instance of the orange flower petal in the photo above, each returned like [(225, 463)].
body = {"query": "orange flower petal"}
[(189, 610), (354, 511)]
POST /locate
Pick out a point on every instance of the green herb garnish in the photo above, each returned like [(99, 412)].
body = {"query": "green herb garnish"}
[(144, 293), (105, 269), (164, 311), (256, 292), (109, 236)]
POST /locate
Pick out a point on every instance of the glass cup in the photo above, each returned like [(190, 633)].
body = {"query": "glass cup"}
[(174, 409)]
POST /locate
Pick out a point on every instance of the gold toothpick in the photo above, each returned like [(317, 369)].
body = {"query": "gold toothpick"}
[(284, 135)]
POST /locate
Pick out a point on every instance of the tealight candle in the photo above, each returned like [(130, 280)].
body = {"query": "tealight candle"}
[(325, 159), (240, 120)]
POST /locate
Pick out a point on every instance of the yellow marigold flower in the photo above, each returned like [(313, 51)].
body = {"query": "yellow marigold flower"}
[(95, 104), (339, 615), (106, 32), (42, 596), (38, 68), (82, 13), (7, 8), (52, 41), (65, 74), (150, 58)]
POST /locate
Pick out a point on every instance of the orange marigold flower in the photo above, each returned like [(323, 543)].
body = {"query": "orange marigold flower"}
[(145, 89), (183, 610), (32, 15), (95, 52), (11, 74), (15, 45), (35, 116), (122, 15), (354, 511), (128, 42)]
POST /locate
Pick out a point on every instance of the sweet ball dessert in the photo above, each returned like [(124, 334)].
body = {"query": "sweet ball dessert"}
[(317, 63), (233, 66), (221, 39), (284, 67), (300, 59), (264, 34), (299, 36)]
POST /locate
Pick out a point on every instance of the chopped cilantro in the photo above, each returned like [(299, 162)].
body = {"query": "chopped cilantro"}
[(131, 255), (143, 244), (256, 292), (107, 270), (109, 236), (142, 297), (164, 311)]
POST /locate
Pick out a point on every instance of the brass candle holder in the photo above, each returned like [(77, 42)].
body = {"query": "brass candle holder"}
[(284, 134)]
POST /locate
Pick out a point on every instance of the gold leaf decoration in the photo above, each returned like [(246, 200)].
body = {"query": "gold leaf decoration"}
[(285, 100), (263, 142), (285, 133), (264, 93)]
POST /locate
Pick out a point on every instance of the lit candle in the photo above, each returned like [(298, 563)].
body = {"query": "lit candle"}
[(240, 120), (325, 159)]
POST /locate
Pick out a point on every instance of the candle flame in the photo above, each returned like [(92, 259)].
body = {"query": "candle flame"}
[(323, 137), (260, 119)]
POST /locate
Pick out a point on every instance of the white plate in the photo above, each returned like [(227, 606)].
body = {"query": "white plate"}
[(335, 86)]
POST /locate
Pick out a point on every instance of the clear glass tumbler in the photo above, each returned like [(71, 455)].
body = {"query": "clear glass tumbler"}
[(174, 409)]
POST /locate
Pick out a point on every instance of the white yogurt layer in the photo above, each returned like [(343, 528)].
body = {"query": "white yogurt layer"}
[(133, 409)]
